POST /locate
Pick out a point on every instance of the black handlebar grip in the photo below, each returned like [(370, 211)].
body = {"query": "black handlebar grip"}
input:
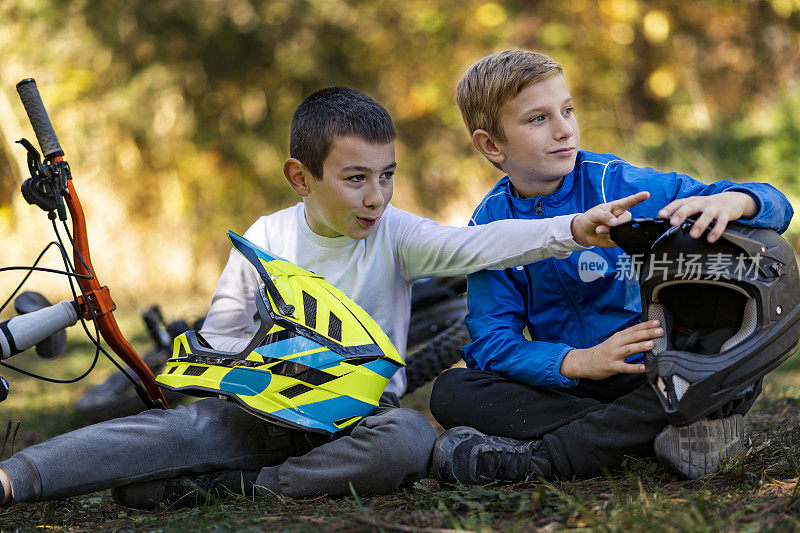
[(29, 94)]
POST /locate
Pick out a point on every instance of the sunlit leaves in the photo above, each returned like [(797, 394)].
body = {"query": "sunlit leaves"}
[(656, 26), (187, 102)]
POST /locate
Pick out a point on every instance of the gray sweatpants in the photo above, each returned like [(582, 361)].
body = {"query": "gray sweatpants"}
[(382, 452)]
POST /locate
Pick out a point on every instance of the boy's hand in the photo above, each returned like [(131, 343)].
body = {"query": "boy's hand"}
[(608, 357), (722, 208), (592, 227)]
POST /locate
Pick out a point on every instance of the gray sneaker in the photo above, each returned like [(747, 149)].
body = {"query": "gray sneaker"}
[(699, 448), (467, 456), (187, 491)]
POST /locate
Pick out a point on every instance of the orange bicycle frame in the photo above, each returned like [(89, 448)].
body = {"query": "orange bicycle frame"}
[(96, 303)]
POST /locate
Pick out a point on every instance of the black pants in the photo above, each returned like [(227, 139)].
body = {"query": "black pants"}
[(587, 427)]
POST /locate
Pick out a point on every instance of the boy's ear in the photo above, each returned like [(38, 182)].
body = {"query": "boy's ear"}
[(485, 145), (297, 176)]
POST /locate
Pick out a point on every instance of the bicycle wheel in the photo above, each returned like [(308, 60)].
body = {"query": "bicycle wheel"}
[(428, 322), (436, 304), (442, 352)]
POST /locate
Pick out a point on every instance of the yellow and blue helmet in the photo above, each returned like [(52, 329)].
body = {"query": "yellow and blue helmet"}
[(318, 362)]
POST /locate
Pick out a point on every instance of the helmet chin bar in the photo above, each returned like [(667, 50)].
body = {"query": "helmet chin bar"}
[(677, 388)]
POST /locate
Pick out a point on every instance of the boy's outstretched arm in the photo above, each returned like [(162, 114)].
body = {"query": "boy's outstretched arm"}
[(592, 228), (428, 249)]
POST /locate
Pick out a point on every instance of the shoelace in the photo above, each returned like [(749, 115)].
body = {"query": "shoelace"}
[(501, 463)]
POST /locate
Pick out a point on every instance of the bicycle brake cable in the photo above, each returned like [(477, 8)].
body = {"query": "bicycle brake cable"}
[(70, 273)]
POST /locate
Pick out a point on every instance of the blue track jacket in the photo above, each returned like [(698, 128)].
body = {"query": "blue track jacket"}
[(580, 301)]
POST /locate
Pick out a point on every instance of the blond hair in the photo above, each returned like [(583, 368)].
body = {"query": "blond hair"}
[(493, 81)]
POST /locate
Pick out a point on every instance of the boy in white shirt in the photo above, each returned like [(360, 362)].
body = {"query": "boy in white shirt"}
[(342, 164)]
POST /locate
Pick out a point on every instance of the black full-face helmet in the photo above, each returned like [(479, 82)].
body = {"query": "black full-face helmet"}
[(729, 310)]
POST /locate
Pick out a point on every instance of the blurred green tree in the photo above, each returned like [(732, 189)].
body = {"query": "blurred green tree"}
[(186, 104)]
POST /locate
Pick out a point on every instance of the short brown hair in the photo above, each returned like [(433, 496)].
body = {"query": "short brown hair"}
[(335, 112), (494, 80)]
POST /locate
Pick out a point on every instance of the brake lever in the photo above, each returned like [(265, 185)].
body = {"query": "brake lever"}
[(35, 166), (48, 183)]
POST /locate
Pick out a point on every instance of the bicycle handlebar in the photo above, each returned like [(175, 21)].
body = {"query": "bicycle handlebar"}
[(19, 333), (32, 101), (97, 297)]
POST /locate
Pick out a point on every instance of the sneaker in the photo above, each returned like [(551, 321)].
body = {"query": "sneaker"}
[(699, 448), (187, 491), (467, 456)]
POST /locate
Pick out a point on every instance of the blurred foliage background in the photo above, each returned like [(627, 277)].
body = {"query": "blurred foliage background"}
[(174, 114)]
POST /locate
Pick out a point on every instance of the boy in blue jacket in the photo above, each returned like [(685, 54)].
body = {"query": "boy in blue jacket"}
[(554, 384)]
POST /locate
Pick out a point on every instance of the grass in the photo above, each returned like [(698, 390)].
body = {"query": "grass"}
[(757, 491)]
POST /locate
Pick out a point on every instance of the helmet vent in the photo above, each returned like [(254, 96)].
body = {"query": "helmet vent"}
[(277, 336), (334, 327), (302, 372), (345, 421), (662, 387), (656, 312), (310, 310), (194, 370), (748, 326), (681, 386), (295, 390)]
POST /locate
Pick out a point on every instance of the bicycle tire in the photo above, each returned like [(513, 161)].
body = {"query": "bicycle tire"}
[(428, 322), (442, 352)]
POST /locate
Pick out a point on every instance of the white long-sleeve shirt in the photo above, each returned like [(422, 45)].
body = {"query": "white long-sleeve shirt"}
[(377, 272)]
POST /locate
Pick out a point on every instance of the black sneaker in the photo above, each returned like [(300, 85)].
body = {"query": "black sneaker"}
[(467, 456), (699, 448), (187, 491)]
